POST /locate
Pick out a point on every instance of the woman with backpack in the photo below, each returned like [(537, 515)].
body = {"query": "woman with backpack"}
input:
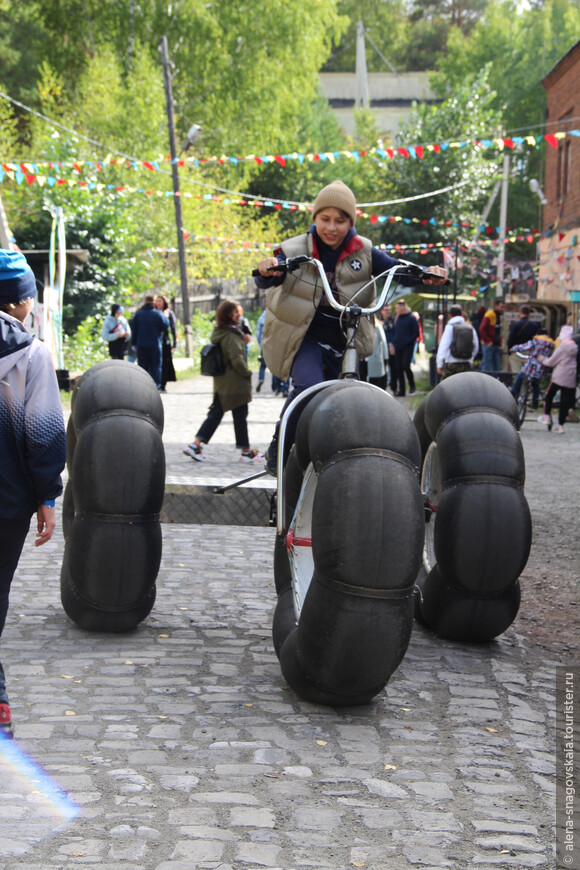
[(231, 391)]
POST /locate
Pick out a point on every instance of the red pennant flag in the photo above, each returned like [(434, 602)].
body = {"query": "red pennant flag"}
[(30, 178), (390, 152), (403, 152), (437, 149), (530, 239), (279, 159), (374, 219), (551, 140), (509, 143), (258, 159), (419, 151), (317, 157), (561, 236), (60, 181)]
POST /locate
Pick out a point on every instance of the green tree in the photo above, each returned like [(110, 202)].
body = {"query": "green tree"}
[(228, 59)]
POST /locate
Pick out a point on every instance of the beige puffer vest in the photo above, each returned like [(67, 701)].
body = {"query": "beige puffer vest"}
[(290, 307)]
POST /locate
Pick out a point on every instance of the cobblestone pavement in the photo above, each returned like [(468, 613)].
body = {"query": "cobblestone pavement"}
[(183, 748)]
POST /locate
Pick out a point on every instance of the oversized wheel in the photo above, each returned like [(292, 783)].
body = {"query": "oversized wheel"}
[(478, 530), (346, 565), (116, 465)]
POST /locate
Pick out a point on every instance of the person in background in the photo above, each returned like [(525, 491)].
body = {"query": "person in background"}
[(232, 391), (378, 361), (522, 330), (404, 340), (169, 342), (476, 323), (32, 436), (540, 345), (149, 329), (491, 337), (563, 364), (419, 341), (116, 332), (387, 314), (450, 359)]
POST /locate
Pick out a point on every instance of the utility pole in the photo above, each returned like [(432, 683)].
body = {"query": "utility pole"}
[(361, 100), (502, 224), (176, 197)]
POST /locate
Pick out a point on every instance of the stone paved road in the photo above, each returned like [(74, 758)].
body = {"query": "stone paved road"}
[(183, 748)]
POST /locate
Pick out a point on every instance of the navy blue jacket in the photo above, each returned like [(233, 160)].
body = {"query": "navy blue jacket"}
[(148, 327), (406, 331)]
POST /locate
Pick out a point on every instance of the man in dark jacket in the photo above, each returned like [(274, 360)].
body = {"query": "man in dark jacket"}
[(148, 327), (404, 338), (32, 435), (522, 330)]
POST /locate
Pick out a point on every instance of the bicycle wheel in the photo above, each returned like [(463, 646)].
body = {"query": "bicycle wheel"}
[(522, 400), (345, 568)]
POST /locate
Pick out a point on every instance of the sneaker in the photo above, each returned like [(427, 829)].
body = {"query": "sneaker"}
[(259, 386), (6, 724), (251, 456), (194, 450), (560, 430), (271, 457)]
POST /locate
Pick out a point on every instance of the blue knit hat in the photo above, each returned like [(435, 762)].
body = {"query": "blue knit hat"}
[(17, 281)]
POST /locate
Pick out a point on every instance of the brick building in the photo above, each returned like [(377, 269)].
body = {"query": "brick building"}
[(559, 253)]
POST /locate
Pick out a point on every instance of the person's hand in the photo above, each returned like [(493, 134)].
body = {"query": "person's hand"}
[(46, 524), (436, 275), (246, 338), (439, 371), (263, 267)]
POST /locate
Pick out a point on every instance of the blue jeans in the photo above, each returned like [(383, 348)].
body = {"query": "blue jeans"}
[(515, 390), (491, 359), (12, 536), (312, 364)]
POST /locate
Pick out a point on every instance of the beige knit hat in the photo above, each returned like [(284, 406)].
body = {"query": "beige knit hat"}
[(336, 195)]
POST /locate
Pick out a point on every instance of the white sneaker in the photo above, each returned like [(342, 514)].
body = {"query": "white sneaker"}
[(252, 456), (194, 451)]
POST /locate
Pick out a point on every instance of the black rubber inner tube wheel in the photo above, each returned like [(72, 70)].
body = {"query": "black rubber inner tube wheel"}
[(478, 524), (346, 565)]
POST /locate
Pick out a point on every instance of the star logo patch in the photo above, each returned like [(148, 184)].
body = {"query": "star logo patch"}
[(356, 265)]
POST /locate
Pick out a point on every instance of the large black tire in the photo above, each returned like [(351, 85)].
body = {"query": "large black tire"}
[(357, 456), (114, 495), (478, 539)]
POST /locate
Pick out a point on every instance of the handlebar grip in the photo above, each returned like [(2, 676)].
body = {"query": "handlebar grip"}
[(281, 267)]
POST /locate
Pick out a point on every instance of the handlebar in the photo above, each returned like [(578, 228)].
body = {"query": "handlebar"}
[(400, 267)]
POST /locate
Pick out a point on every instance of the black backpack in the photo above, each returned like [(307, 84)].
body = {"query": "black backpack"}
[(212, 361), (462, 341)]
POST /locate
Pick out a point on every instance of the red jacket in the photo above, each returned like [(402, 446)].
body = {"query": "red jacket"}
[(487, 328)]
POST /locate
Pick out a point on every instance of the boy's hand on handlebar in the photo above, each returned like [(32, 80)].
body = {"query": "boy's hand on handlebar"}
[(435, 275), (269, 267)]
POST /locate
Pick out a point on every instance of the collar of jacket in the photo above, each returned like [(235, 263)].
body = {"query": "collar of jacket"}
[(353, 243)]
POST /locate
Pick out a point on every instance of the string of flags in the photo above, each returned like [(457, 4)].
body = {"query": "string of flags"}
[(405, 151), (19, 176)]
